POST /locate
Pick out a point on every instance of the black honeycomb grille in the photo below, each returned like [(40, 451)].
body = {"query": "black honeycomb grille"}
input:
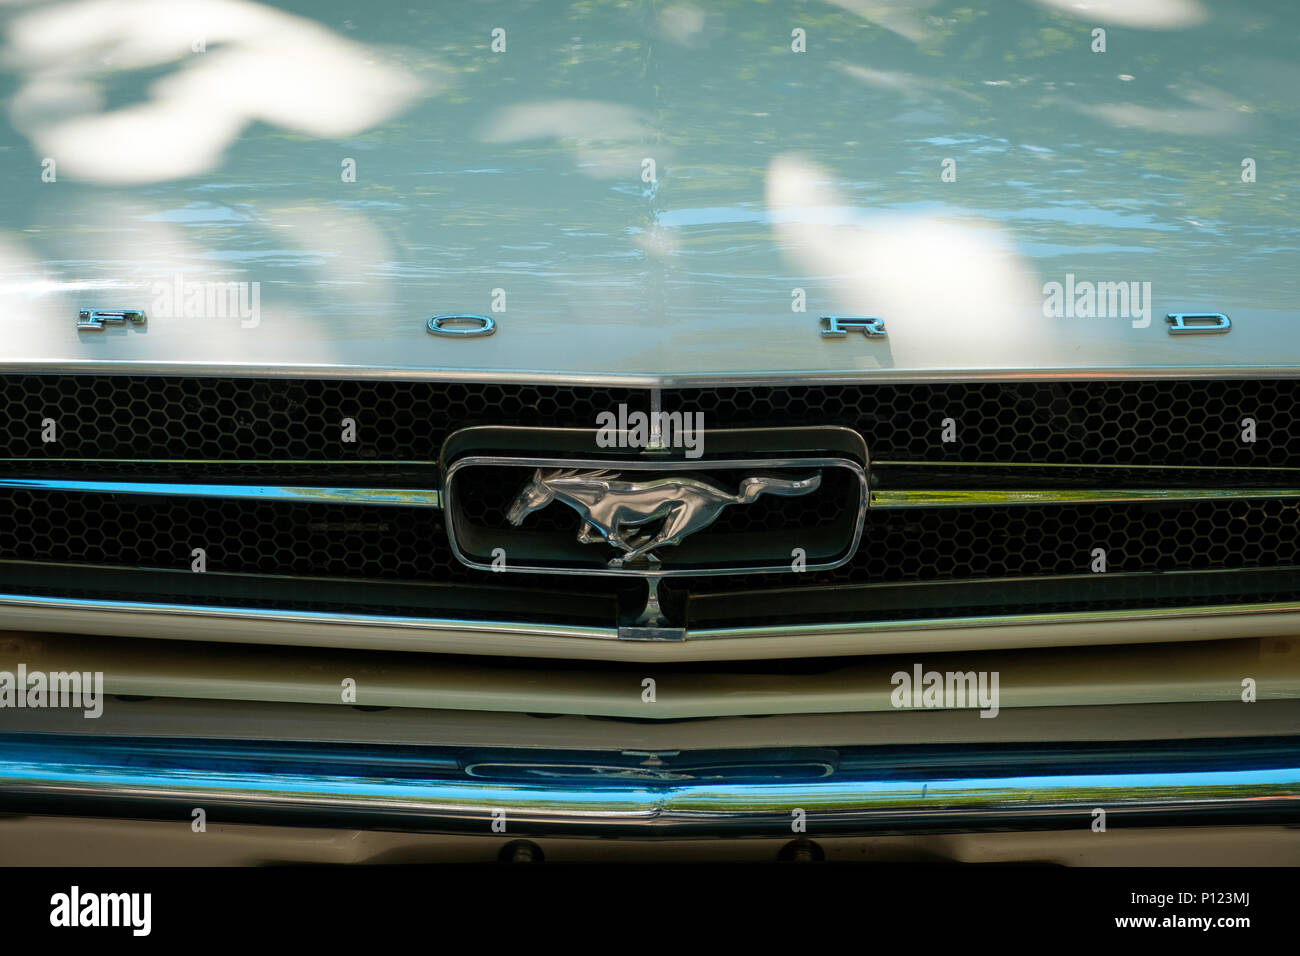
[(254, 537), (962, 544), (278, 538), (240, 419), (409, 543), (1098, 422)]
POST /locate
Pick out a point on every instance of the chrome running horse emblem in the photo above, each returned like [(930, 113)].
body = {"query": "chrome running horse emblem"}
[(613, 510)]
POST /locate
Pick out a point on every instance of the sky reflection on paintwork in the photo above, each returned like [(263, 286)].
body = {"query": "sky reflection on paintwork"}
[(523, 171)]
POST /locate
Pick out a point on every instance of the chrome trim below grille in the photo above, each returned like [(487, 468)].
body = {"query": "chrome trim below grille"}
[(379, 632), (271, 615), (545, 791)]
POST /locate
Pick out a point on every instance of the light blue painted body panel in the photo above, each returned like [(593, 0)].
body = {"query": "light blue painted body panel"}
[(212, 141)]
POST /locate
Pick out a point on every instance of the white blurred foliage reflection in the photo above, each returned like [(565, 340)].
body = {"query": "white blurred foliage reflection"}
[(607, 140), (1209, 112), (336, 87), (1146, 14), (954, 281)]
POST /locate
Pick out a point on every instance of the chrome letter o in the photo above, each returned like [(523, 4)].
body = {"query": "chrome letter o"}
[(483, 325)]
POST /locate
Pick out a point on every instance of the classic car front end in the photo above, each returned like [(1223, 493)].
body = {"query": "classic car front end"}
[(866, 430)]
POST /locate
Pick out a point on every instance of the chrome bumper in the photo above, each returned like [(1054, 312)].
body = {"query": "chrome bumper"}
[(724, 793)]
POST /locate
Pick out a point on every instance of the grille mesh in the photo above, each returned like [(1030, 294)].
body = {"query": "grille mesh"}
[(959, 544), (225, 418), (1113, 422), (1098, 423), (409, 543)]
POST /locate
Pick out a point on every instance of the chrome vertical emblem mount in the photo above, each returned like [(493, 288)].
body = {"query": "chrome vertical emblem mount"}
[(96, 319), (838, 326), (1197, 323)]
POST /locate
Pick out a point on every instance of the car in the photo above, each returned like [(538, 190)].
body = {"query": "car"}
[(735, 432)]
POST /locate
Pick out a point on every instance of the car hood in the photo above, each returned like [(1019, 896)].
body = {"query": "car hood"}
[(651, 194)]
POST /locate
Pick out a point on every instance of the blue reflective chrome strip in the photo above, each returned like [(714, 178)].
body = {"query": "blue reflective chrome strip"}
[(405, 787), (396, 497)]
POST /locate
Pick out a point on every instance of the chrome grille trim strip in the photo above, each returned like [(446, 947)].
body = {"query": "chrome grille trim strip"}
[(888, 498), (558, 791), (238, 614), (993, 498), (392, 497), (1127, 615), (1022, 486), (652, 380), (1024, 466), (378, 632)]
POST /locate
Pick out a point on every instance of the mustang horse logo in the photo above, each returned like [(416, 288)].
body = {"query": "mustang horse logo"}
[(613, 510)]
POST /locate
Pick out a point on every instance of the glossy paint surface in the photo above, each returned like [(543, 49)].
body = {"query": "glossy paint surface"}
[(639, 190)]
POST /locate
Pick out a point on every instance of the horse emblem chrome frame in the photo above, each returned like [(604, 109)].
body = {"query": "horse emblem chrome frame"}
[(676, 500)]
